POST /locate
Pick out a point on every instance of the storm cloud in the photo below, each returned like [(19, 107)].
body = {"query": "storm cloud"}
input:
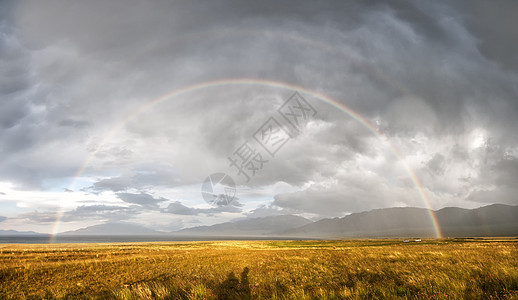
[(142, 199), (132, 104), (178, 208)]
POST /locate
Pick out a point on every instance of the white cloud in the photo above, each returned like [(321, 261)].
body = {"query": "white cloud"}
[(76, 84)]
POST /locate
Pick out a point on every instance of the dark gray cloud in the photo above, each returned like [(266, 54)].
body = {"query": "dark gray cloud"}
[(81, 213), (350, 193), (494, 41), (2, 218), (178, 208), (144, 200), (496, 181), (115, 184), (437, 164), (271, 210), (39, 217), (436, 79), (140, 177), (103, 212)]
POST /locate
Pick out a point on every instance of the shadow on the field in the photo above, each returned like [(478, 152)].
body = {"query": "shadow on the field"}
[(232, 288)]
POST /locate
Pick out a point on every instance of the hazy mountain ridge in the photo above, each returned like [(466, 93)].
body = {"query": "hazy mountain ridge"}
[(491, 220), (18, 233), (271, 225), (114, 229), (379, 222)]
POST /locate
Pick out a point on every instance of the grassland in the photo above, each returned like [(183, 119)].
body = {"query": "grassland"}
[(355, 269)]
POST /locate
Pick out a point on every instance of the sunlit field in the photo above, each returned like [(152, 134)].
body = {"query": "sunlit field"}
[(352, 269)]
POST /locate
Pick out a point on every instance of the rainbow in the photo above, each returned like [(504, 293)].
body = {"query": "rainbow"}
[(261, 82)]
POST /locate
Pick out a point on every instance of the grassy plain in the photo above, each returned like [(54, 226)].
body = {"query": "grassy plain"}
[(349, 269)]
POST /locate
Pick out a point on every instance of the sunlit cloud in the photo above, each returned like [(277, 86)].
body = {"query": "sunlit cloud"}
[(97, 123)]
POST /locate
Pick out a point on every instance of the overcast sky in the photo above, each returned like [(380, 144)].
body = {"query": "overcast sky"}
[(437, 79)]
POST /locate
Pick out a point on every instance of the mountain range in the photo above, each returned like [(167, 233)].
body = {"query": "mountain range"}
[(18, 233), (492, 220), (119, 228), (272, 225)]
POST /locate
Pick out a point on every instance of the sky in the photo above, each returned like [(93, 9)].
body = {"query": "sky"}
[(118, 111)]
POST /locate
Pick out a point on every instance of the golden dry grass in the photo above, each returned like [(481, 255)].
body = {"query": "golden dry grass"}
[(351, 269)]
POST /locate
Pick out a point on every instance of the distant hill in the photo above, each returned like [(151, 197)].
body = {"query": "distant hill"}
[(492, 220), (407, 221), (271, 225), (19, 233), (113, 229)]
